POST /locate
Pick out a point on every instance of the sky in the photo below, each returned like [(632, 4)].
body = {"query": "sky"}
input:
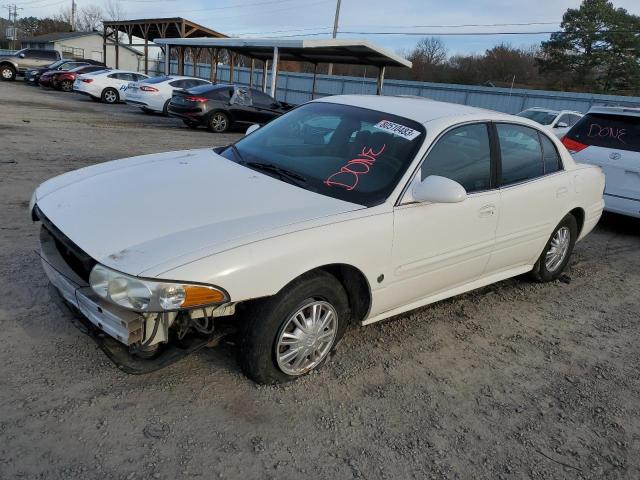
[(314, 18)]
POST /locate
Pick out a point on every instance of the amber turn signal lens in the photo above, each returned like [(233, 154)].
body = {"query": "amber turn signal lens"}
[(196, 295)]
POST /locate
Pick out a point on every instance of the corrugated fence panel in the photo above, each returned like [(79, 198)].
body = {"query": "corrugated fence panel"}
[(296, 88)]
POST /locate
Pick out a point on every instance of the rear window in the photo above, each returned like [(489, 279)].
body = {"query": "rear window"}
[(161, 79), (215, 92), (540, 116), (619, 132)]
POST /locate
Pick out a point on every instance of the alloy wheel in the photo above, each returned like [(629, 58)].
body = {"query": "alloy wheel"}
[(306, 337), (219, 122), (558, 249), (7, 73), (110, 96)]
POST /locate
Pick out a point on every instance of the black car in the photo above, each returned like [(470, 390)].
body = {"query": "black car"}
[(32, 76), (219, 107)]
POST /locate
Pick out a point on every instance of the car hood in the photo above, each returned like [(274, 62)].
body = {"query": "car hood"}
[(142, 212)]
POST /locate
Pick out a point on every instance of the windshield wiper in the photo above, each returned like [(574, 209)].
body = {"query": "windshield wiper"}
[(283, 173)]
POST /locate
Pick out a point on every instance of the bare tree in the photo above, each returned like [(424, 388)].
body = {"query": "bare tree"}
[(115, 10), (90, 18)]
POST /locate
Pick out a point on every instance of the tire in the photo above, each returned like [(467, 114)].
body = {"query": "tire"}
[(7, 72), (165, 108), (110, 96), (66, 86), (267, 323), (219, 122), (550, 265), (190, 123)]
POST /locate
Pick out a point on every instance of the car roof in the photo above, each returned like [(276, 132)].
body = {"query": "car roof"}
[(421, 110), (631, 111)]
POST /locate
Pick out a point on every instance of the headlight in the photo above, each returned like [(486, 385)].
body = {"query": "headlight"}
[(151, 296)]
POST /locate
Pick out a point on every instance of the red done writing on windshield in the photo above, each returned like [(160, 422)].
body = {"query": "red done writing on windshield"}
[(349, 175)]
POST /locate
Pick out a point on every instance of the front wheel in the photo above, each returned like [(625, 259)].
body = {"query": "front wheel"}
[(219, 122), (7, 72), (557, 251), (290, 334), (110, 95)]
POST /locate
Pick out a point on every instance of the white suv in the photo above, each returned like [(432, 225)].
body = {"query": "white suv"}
[(610, 137), (558, 121)]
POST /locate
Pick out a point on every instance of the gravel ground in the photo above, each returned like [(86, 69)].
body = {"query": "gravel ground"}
[(516, 380)]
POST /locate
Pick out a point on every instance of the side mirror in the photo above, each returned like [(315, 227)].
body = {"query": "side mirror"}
[(252, 129), (562, 125), (21, 55), (435, 189)]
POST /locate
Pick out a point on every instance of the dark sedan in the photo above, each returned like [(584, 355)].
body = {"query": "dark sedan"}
[(33, 76), (220, 107), (63, 79)]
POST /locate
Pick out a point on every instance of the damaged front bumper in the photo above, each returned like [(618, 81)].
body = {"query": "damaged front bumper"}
[(119, 331)]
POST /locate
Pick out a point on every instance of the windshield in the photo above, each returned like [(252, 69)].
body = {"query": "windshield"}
[(350, 153), (543, 118)]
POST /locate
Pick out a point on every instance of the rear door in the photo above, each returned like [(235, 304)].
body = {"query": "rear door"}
[(534, 195), (611, 141)]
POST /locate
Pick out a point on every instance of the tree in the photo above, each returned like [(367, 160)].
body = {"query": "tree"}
[(115, 10), (427, 58), (598, 49)]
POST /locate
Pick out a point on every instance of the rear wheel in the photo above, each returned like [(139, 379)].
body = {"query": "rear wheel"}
[(290, 334), (165, 108), (219, 122), (66, 85), (557, 251), (7, 72), (110, 95)]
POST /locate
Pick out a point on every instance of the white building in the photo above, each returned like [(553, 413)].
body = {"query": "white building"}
[(87, 45)]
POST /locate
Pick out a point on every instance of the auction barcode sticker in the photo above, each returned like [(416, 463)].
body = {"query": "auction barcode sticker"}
[(397, 129)]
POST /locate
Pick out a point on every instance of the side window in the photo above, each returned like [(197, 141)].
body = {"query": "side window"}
[(241, 96), (550, 154), (521, 153), (138, 78), (463, 155), (177, 84), (573, 119), (563, 119), (114, 75), (28, 54), (50, 55)]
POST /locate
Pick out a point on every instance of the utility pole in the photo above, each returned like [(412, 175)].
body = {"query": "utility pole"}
[(13, 18), (73, 15), (335, 31)]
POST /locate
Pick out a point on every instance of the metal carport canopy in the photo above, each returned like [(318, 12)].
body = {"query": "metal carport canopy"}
[(352, 52)]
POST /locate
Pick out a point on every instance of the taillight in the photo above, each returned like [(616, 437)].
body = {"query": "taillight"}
[(573, 145), (196, 99), (144, 88), (87, 80)]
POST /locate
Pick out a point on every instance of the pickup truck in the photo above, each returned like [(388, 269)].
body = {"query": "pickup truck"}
[(25, 59)]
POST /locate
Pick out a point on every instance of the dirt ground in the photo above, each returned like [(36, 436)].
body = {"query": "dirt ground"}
[(514, 381)]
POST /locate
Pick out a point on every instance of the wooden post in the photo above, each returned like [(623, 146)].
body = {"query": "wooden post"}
[(146, 49), (117, 39), (380, 82), (232, 59), (104, 45), (181, 60), (265, 70), (251, 73), (313, 85)]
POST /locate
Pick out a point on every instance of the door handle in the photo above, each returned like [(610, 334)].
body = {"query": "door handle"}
[(562, 191), (487, 210)]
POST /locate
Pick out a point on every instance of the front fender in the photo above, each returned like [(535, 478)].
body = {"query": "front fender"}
[(263, 268)]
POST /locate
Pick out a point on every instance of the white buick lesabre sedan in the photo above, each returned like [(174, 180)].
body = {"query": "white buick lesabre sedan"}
[(346, 210)]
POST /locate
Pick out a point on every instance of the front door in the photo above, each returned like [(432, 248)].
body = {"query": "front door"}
[(437, 247)]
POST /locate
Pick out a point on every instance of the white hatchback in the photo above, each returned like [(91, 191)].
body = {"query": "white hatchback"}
[(558, 121), (108, 86), (154, 94), (610, 137)]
